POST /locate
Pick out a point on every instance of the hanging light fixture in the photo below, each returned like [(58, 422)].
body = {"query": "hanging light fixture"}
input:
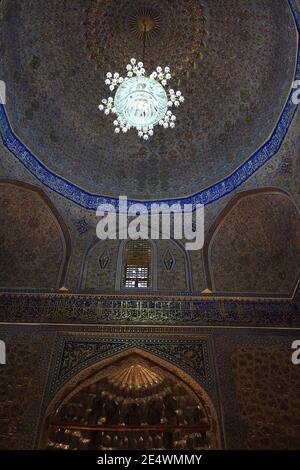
[(141, 101)]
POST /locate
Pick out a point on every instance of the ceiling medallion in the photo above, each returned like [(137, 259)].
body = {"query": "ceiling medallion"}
[(145, 20), (140, 101)]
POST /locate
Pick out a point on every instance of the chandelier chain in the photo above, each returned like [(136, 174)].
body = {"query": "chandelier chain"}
[(144, 41)]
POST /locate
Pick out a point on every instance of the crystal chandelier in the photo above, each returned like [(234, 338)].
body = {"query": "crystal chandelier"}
[(141, 102)]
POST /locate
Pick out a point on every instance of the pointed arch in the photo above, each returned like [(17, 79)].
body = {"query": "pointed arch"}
[(288, 206), (58, 220), (155, 371)]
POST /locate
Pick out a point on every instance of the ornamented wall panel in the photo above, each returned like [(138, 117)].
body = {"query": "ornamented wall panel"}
[(100, 266), (256, 245), (172, 269), (22, 382), (74, 352), (34, 249), (259, 386), (109, 309)]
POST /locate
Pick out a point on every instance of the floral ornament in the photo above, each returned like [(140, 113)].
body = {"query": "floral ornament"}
[(169, 260), (141, 102), (104, 259)]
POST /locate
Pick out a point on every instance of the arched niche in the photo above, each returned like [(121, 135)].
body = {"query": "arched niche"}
[(109, 275), (131, 400), (35, 241), (254, 244)]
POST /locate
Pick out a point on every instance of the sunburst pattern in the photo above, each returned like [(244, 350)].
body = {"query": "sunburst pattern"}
[(135, 377)]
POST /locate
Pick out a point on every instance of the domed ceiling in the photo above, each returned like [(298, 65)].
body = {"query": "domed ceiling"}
[(233, 60)]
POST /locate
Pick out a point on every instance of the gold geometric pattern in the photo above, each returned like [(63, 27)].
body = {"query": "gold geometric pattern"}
[(267, 388), (135, 376), (131, 15), (131, 404)]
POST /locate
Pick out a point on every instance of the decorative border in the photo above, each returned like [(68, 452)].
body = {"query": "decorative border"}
[(161, 347), (88, 311), (207, 196), (110, 346)]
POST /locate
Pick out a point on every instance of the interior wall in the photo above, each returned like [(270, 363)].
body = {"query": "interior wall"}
[(254, 244), (249, 377), (178, 278), (35, 243)]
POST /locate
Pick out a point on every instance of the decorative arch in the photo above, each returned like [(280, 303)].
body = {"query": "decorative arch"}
[(94, 251), (225, 214), (187, 262), (172, 410), (116, 249), (57, 219)]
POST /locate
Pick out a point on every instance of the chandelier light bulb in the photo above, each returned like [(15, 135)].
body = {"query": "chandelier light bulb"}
[(141, 101)]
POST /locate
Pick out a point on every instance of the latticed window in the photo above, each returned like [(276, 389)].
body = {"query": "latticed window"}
[(137, 264)]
